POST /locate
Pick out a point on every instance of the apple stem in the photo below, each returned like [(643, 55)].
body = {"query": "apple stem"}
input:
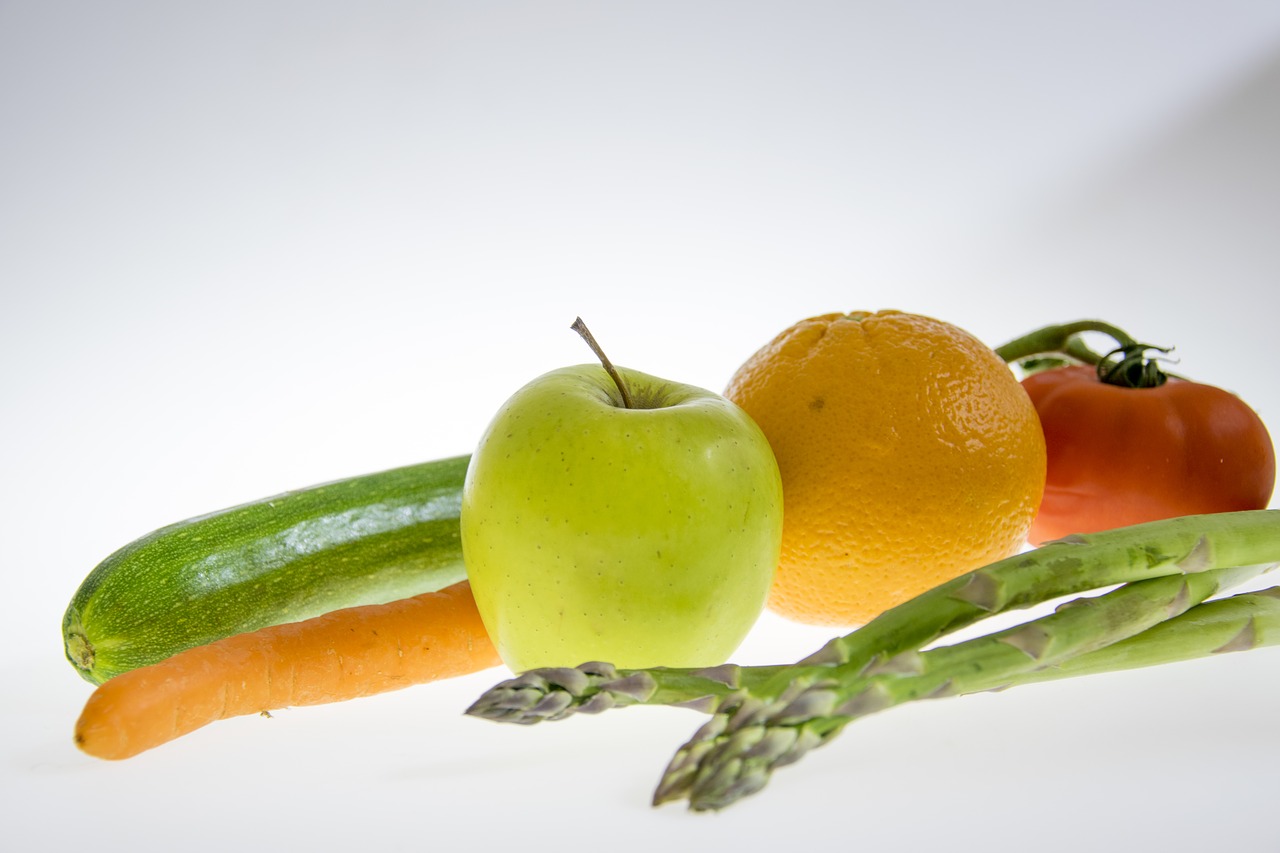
[(581, 328)]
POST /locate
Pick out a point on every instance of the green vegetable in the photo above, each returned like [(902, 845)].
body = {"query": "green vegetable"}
[(768, 716), (734, 754), (1180, 546), (362, 540)]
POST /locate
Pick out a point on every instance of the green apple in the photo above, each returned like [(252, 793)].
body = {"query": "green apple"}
[(642, 535)]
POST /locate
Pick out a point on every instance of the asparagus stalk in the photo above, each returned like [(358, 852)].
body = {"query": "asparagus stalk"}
[(1186, 545), (1239, 623), (1173, 547), (735, 752)]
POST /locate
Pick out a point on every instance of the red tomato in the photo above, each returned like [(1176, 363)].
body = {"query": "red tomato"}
[(1119, 456)]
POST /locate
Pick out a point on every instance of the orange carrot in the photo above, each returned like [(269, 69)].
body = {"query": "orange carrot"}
[(341, 655)]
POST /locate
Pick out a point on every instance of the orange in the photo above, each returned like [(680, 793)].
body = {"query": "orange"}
[(909, 454)]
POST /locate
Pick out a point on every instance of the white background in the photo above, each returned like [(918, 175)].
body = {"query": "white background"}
[(250, 246)]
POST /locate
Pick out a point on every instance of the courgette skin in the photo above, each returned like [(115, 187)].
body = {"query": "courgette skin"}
[(362, 540)]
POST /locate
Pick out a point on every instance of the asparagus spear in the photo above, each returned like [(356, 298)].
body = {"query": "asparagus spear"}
[(735, 752), (1171, 547), (1238, 623)]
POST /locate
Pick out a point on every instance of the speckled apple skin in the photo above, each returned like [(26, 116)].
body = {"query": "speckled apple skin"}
[(644, 537)]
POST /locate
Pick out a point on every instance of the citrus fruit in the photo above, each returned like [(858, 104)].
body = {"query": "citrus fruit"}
[(909, 455)]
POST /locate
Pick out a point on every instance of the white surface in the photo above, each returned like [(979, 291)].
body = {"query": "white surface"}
[(246, 247)]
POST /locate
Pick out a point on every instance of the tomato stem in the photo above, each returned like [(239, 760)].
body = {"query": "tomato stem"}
[(1063, 342), (1125, 365)]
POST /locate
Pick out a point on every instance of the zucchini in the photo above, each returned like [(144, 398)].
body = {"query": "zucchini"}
[(362, 540)]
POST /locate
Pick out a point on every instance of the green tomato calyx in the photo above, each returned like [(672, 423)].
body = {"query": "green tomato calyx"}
[(1129, 367)]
